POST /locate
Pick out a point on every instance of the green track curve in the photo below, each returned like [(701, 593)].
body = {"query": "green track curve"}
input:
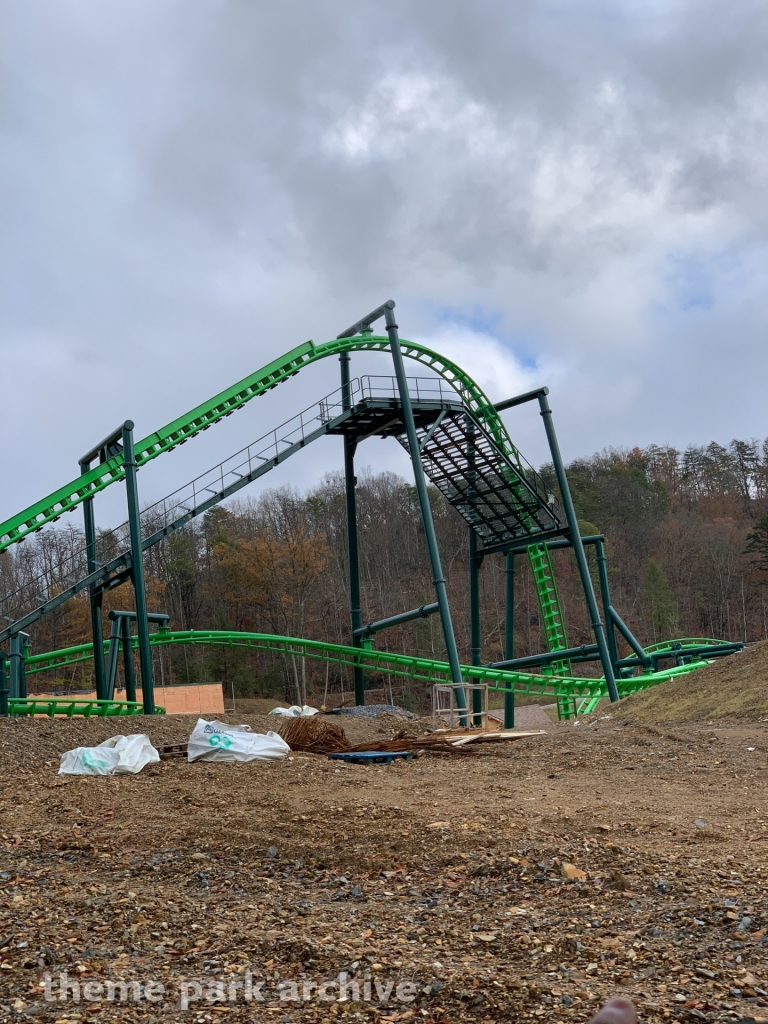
[(179, 431), (423, 669), (66, 498)]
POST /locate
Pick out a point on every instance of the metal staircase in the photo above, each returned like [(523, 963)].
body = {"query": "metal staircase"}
[(502, 501)]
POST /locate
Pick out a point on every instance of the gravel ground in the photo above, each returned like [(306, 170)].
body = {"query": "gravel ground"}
[(375, 711), (524, 881)]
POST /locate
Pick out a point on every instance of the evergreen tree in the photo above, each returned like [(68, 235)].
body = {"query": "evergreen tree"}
[(658, 603), (757, 545)]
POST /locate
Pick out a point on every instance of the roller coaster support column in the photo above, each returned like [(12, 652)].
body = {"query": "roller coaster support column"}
[(475, 561), (602, 571), (509, 635), (18, 679), (421, 488), (104, 450), (115, 640), (3, 686), (426, 511), (124, 629), (350, 483), (137, 569), (578, 547), (94, 596)]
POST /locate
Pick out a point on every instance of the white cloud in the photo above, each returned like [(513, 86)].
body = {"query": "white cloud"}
[(192, 189)]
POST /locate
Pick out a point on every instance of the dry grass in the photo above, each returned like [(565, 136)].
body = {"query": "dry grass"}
[(735, 687)]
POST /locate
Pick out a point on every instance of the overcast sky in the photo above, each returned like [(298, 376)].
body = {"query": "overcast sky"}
[(571, 194)]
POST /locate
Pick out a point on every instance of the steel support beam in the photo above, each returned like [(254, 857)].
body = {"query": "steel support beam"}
[(605, 591), (551, 544), (18, 679), (350, 483), (104, 450), (115, 638), (3, 686), (630, 637), (583, 652), (422, 612), (704, 651), (426, 511), (578, 547), (528, 396), (475, 560), (509, 634), (139, 589), (95, 597), (124, 627)]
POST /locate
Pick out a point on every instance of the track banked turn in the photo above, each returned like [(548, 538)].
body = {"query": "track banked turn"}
[(66, 498)]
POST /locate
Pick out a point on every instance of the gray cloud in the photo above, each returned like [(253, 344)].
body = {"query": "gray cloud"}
[(192, 188)]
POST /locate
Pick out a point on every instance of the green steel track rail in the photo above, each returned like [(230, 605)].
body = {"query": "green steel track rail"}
[(69, 708), (66, 498), (253, 464), (549, 606), (423, 669), (680, 646)]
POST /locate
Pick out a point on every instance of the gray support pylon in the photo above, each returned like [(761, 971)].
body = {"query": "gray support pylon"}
[(509, 634), (426, 511), (94, 596), (350, 483), (578, 547), (137, 569)]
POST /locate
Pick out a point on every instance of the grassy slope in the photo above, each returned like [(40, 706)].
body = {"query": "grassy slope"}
[(733, 687)]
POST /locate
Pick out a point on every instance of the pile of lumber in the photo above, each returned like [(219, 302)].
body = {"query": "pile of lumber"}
[(443, 740)]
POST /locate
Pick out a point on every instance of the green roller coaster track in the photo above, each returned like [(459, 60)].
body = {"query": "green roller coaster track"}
[(557, 682), (66, 498), (180, 430), (423, 669)]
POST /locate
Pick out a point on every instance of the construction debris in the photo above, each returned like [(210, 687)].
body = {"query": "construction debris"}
[(443, 740), (316, 735)]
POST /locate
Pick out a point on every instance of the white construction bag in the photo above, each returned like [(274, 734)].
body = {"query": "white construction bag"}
[(119, 755), (295, 711), (135, 751), (213, 741)]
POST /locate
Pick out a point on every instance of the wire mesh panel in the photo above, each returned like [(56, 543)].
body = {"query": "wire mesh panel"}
[(501, 501)]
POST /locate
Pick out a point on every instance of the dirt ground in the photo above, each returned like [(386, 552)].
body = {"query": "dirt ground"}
[(528, 880)]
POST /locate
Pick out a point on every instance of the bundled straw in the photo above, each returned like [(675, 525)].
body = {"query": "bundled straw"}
[(315, 735)]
